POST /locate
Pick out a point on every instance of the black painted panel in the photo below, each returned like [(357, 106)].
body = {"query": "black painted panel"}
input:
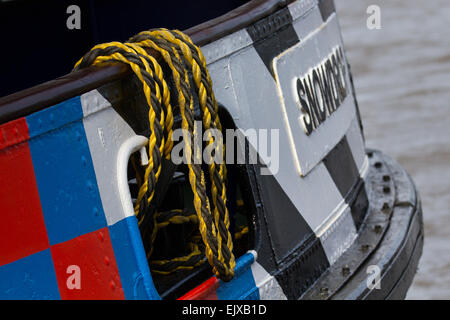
[(326, 8), (273, 35)]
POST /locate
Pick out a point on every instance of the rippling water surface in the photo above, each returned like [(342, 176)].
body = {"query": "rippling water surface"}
[(402, 80)]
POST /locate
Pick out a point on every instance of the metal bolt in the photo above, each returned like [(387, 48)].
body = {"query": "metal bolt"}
[(378, 164), (377, 228), (324, 292), (386, 178), (386, 189), (345, 271), (385, 207)]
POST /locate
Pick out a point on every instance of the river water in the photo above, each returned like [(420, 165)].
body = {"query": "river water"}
[(402, 80)]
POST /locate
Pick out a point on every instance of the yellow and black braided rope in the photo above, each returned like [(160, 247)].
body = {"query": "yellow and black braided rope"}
[(161, 220), (161, 40), (184, 60)]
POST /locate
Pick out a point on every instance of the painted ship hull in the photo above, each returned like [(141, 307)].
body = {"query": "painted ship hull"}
[(328, 216)]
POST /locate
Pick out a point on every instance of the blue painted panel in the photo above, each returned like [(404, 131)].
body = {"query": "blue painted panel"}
[(54, 117), (243, 286), (131, 260), (64, 172), (32, 277)]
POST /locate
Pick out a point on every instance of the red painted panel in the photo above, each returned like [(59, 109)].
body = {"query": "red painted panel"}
[(22, 227), (13, 132), (92, 254), (205, 291)]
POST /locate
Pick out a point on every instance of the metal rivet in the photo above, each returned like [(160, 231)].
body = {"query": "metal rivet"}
[(386, 178), (386, 189), (101, 236), (84, 161), (370, 154), (385, 207), (378, 164)]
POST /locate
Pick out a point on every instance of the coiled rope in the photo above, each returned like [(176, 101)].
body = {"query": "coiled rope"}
[(184, 59)]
